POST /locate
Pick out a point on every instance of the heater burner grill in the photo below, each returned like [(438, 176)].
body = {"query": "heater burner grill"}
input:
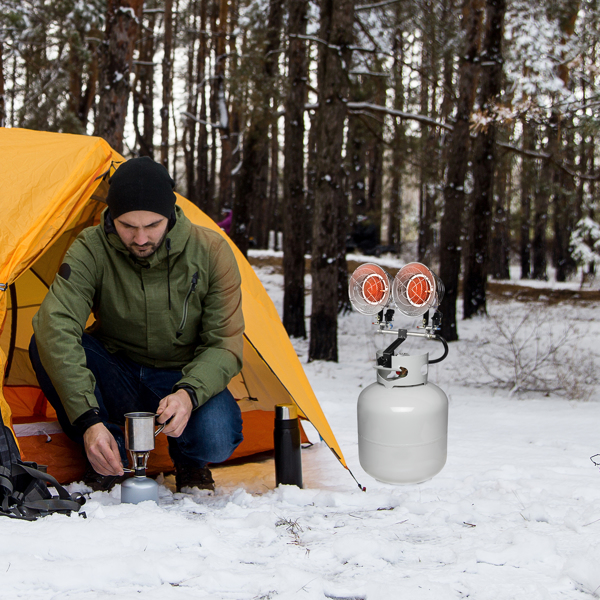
[(374, 289), (418, 290)]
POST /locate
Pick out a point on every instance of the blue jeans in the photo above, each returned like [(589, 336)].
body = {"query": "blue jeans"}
[(211, 435)]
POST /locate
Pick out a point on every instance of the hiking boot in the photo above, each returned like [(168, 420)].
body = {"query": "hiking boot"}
[(198, 477)]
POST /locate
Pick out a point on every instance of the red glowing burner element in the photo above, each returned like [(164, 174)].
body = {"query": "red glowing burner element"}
[(374, 289), (418, 290)]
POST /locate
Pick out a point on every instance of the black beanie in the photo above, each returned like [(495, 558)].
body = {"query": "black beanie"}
[(141, 184)]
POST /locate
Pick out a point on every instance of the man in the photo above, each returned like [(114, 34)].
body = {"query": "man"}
[(167, 335)]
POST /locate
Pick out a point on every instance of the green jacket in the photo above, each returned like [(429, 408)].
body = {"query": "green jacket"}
[(201, 333)]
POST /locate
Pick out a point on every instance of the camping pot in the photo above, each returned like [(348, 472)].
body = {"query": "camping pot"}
[(139, 431), (288, 462)]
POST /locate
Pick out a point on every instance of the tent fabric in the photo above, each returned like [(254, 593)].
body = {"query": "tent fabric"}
[(53, 188)]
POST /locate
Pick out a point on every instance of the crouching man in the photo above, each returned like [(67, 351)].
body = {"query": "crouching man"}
[(167, 336)]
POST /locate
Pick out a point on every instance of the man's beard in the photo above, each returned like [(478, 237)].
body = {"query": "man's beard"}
[(146, 250)]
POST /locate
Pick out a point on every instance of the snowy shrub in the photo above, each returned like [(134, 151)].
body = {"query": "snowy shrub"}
[(534, 351), (585, 241)]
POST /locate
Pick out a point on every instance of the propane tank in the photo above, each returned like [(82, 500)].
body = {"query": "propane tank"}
[(403, 423), (402, 418)]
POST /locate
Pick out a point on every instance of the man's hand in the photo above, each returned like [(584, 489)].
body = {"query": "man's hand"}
[(102, 450), (178, 406)]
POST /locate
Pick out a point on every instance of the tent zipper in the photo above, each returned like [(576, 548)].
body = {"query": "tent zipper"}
[(185, 303)]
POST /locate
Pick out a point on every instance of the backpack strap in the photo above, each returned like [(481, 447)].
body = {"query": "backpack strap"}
[(6, 488), (64, 502), (31, 503), (24, 490)]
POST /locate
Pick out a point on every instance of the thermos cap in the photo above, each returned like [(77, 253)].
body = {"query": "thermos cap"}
[(286, 412)]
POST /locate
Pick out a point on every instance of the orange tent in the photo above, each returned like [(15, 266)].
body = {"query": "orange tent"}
[(52, 189)]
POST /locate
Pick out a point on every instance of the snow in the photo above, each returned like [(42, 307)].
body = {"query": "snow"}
[(514, 514)]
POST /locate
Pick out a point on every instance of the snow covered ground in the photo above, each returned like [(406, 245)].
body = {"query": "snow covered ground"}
[(515, 513)]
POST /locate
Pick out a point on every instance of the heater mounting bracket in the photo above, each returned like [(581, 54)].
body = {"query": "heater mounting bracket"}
[(385, 360)]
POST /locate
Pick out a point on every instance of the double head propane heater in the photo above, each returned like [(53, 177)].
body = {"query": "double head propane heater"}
[(402, 418)]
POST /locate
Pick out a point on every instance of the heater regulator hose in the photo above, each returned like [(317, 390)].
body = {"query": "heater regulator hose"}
[(439, 338)]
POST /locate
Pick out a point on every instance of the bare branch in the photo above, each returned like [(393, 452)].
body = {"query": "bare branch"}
[(194, 118), (312, 38), (546, 156), (370, 50), (376, 5), (370, 73), (529, 153), (359, 106)]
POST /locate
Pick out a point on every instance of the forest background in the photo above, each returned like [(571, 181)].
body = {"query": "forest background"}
[(465, 127)]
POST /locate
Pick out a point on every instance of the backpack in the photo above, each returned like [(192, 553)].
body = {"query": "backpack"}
[(24, 492)]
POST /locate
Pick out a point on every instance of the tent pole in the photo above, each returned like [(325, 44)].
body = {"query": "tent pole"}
[(13, 328)]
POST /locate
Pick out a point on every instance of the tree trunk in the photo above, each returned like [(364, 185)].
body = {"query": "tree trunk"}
[(269, 214), (122, 19), (394, 228), (80, 99), (225, 181), (427, 196), (167, 84), (394, 220), (13, 93), (201, 197), (563, 199), (234, 110), (528, 185), (143, 90), (458, 157), (500, 243), (254, 173), (272, 216), (337, 18), (375, 179), (34, 112), (565, 209), (375, 152), (2, 98), (542, 202), (344, 305), (251, 184), (89, 94), (484, 164), (191, 90), (293, 205), (213, 108), (429, 169), (174, 147), (311, 182), (356, 157)]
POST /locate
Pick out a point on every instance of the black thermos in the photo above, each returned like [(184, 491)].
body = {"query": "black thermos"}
[(288, 463)]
